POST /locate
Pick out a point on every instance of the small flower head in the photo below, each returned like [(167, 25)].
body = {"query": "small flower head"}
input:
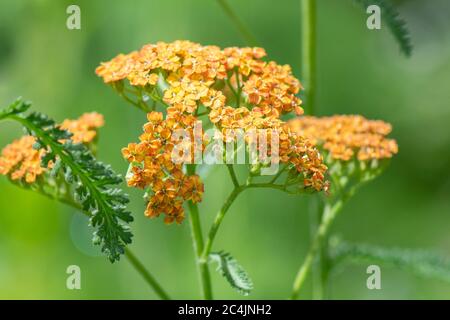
[(347, 136), (84, 129), (156, 165), (20, 161)]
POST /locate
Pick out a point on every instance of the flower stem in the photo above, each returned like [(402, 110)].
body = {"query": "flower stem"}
[(146, 274), (218, 220), (197, 238), (204, 276), (308, 53), (319, 268), (330, 212), (233, 175)]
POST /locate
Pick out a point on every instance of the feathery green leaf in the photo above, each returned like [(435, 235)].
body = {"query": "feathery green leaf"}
[(236, 276), (94, 184)]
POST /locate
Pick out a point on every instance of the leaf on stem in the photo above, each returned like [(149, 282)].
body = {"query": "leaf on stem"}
[(229, 268)]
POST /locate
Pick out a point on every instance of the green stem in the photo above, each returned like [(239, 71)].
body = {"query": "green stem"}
[(233, 175), (247, 35), (308, 68), (197, 238), (218, 220), (140, 268), (330, 212), (134, 103), (308, 54), (319, 268)]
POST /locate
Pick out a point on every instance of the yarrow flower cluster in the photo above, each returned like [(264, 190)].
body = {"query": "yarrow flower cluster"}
[(190, 78), (20, 160), (347, 136), (292, 149), (153, 166), (192, 71)]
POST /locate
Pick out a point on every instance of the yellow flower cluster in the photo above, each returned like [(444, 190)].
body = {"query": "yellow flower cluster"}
[(19, 160), (154, 167), (345, 136)]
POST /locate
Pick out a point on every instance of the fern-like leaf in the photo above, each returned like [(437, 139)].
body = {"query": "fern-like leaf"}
[(420, 262), (94, 184), (396, 25), (229, 268)]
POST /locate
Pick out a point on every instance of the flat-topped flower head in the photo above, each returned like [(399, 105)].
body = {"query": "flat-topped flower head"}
[(193, 75), (20, 161), (347, 136), (190, 81)]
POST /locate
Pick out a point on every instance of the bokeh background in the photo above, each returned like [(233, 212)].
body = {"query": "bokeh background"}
[(359, 71)]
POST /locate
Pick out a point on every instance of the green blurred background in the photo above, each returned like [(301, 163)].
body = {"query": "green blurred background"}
[(359, 71)]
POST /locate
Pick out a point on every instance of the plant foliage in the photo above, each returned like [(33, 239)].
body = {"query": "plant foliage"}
[(94, 185), (236, 276)]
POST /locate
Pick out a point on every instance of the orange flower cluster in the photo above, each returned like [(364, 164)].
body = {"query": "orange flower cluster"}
[(345, 136), (192, 71), (84, 129), (273, 90), (191, 76), (292, 147), (153, 166), (20, 160)]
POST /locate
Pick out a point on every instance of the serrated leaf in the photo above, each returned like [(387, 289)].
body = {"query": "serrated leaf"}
[(236, 276), (18, 106), (93, 182)]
